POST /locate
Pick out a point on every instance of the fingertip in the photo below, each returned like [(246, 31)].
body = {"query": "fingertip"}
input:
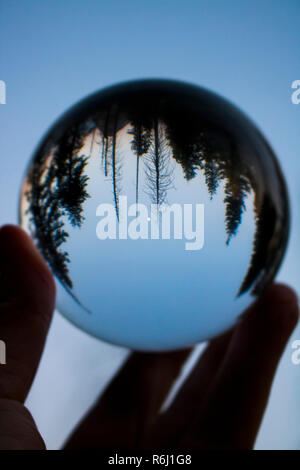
[(24, 262), (280, 302), (282, 293), (9, 230), (273, 316)]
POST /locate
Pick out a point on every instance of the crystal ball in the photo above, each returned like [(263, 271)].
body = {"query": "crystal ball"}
[(161, 211)]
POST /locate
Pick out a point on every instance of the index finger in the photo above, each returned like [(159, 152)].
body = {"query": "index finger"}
[(231, 415)]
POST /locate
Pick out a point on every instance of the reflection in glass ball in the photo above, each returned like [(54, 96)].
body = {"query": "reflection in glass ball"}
[(161, 211)]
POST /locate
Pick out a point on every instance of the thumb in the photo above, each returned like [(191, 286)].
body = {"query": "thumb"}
[(27, 300)]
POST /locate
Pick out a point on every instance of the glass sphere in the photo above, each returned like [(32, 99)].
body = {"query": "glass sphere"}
[(161, 211)]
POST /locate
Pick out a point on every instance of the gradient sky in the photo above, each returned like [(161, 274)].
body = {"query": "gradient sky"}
[(53, 53)]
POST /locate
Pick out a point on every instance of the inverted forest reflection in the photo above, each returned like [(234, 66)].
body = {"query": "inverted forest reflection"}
[(168, 147)]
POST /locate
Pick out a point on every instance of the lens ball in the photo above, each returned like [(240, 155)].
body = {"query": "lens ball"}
[(161, 211)]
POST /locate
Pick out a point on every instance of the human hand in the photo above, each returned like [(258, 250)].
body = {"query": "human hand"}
[(220, 406)]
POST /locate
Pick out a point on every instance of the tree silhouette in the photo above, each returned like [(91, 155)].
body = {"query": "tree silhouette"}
[(108, 126), (106, 144), (140, 144), (187, 148), (116, 167), (236, 189), (57, 189), (206, 150), (92, 142), (212, 176), (46, 225), (70, 180), (261, 257), (158, 170)]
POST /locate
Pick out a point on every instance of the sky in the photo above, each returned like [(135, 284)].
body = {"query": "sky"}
[(53, 53)]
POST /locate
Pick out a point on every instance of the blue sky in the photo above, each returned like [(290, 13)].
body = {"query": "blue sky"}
[(53, 53)]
